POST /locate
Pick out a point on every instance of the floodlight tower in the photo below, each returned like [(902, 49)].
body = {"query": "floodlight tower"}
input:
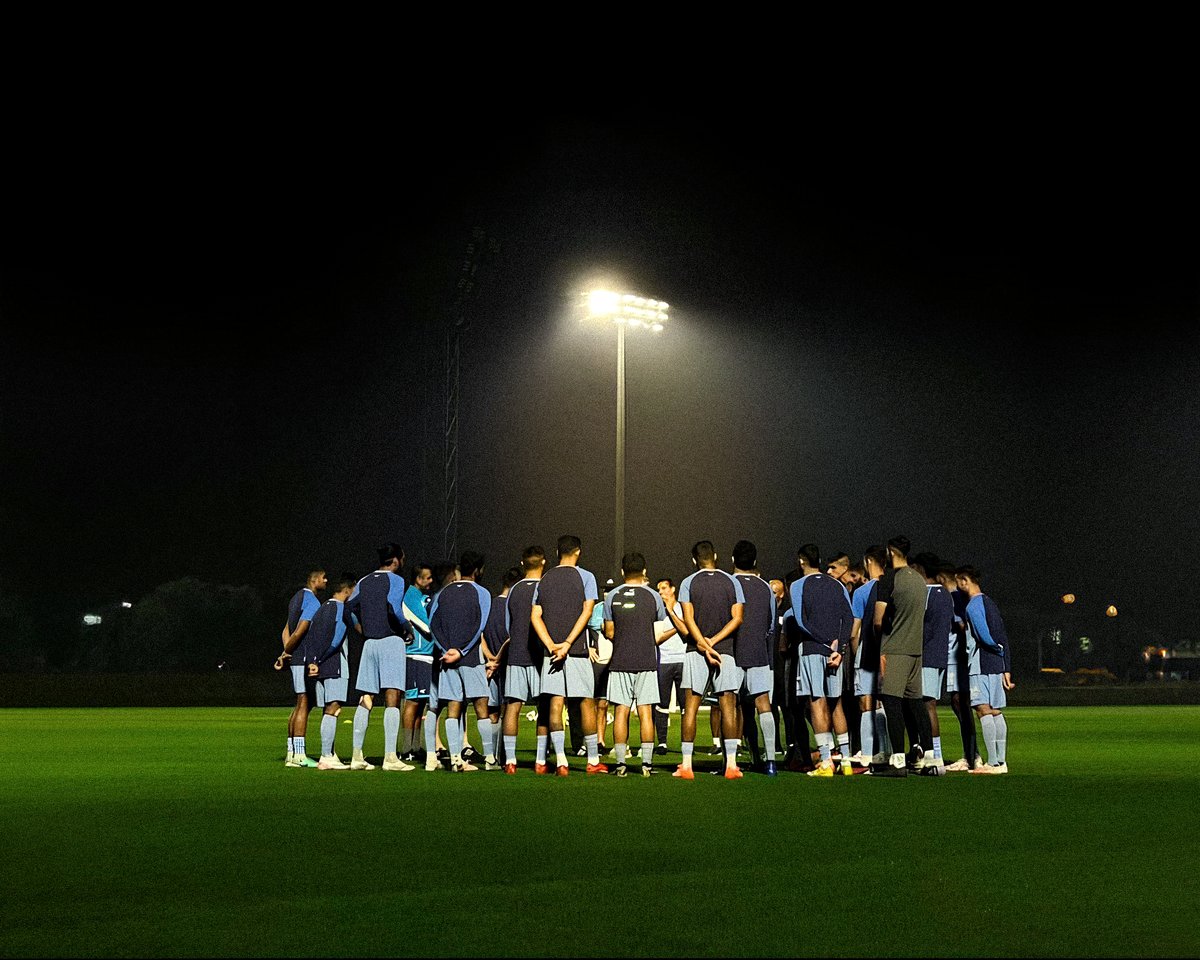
[(628, 311)]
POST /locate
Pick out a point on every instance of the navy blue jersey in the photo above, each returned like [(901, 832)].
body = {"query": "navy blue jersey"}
[(302, 606), (495, 631), (959, 655), (525, 649), (991, 638), (457, 618), (322, 644), (633, 610), (862, 605), (561, 593), (712, 594), (939, 622), (754, 639), (821, 608), (378, 602)]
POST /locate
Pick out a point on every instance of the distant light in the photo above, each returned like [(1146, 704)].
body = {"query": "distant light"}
[(1068, 598), (1111, 611), (126, 604), (630, 308), (92, 619), (1085, 644)]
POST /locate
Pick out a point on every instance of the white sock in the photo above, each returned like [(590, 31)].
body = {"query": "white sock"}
[(621, 749), (937, 747), (647, 754), (766, 722), (686, 748), (559, 739), (592, 742), (510, 750), (301, 749), (843, 742), (541, 748), (484, 727), (430, 736), (866, 733), (731, 747), (391, 730), (291, 746), (988, 725), (361, 716), (1001, 738), (328, 732)]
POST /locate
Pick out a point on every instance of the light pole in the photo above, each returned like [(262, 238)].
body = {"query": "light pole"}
[(627, 311)]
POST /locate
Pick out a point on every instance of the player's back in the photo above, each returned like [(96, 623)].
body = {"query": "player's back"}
[(378, 601), (752, 641)]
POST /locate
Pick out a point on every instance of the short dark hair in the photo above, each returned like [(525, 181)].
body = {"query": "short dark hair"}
[(633, 562), (901, 545), (532, 557), (836, 557), (343, 582), (858, 568), (441, 570), (946, 569), (416, 568), (877, 553), (667, 580), (745, 555), (512, 575), (810, 553), (568, 544), (471, 562), (927, 561), (968, 571), (389, 552), (703, 550)]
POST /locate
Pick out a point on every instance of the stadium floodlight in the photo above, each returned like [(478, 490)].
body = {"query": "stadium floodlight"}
[(92, 619), (126, 604), (625, 311)]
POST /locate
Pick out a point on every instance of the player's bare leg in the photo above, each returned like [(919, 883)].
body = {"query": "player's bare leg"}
[(687, 732), (727, 703)]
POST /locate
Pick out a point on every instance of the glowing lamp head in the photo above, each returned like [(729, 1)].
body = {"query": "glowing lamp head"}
[(1068, 598), (603, 303), (1111, 611)]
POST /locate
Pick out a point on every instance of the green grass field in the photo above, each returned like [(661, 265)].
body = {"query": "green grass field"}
[(179, 832)]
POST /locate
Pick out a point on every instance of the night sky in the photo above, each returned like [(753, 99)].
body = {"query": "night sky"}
[(971, 320)]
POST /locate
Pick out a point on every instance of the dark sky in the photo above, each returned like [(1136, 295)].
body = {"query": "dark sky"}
[(969, 319)]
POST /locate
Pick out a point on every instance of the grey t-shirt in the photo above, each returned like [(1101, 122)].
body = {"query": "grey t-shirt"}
[(904, 619)]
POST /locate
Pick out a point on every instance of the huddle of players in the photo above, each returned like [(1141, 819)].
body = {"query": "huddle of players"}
[(908, 630)]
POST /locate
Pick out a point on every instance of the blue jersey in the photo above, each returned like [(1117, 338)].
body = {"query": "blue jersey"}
[(416, 612), (303, 606), (633, 610), (495, 631), (939, 627), (821, 608), (322, 644), (457, 618), (862, 606), (990, 636), (753, 643), (378, 602), (525, 649), (712, 594), (562, 593)]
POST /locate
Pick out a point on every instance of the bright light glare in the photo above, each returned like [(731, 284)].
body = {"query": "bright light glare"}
[(92, 619), (627, 308)]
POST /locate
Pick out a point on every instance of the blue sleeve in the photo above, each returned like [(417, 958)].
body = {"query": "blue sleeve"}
[(608, 604), (979, 624), (536, 587), (797, 592), (339, 634), (507, 616), (858, 602), (433, 613), (774, 608), (309, 607), (396, 597), (589, 585), (685, 590)]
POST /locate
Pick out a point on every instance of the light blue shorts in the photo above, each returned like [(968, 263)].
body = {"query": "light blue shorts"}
[(629, 688), (522, 684), (952, 678), (815, 679), (866, 683), (756, 680), (496, 689), (334, 689), (697, 672), (572, 677), (988, 688), (931, 682), (299, 678), (382, 666), (728, 678), (460, 684)]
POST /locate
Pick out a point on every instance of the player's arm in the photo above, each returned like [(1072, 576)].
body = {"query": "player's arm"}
[(693, 630), (855, 633), (580, 624), (737, 613), (609, 629), (539, 627), (678, 627)]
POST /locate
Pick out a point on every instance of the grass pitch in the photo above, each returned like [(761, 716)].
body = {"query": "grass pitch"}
[(178, 832)]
